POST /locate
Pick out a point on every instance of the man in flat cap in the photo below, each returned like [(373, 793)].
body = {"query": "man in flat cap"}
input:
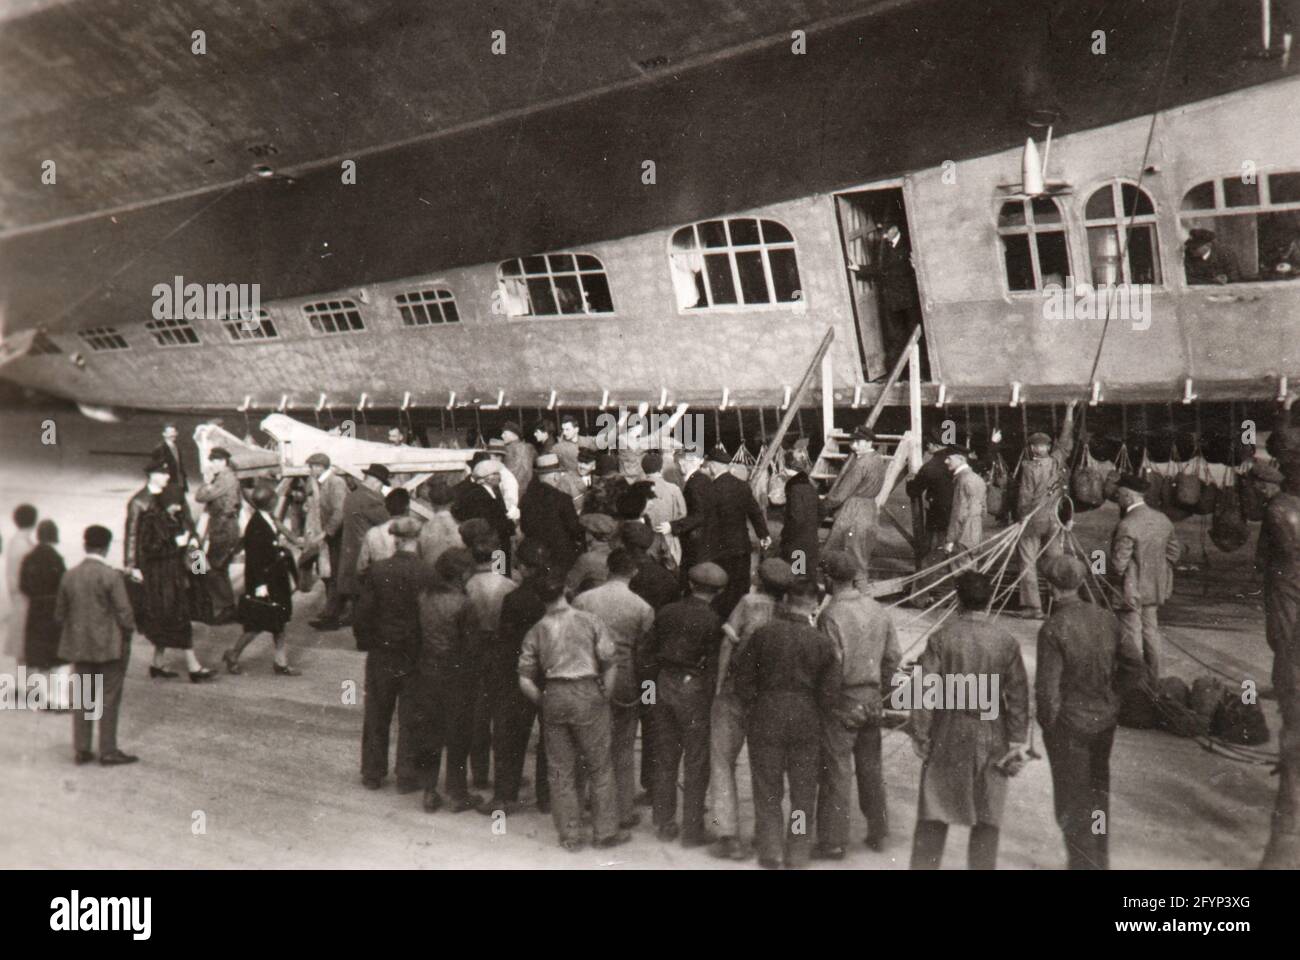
[(866, 649), (735, 511), (571, 654), (966, 514), (326, 491), (1041, 480), (590, 569), (727, 716), (1085, 662), (974, 734), (684, 648), (630, 621), (547, 514), (852, 498), (1278, 559), (789, 679), (221, 499), (1143, 551), (934, 483), (363, 508)]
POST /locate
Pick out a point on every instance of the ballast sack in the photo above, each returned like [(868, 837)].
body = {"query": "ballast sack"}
[(1207, 693), (1187, 487), (1137, 707), (1252, 498), (1229, 530), (1239, 723), (1087, 486), (995, 492), (1173, 713)]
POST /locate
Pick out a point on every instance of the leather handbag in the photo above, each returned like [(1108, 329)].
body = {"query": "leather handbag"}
[(261, 614)]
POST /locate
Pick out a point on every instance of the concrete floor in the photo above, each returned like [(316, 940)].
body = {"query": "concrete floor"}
[(268, 767)]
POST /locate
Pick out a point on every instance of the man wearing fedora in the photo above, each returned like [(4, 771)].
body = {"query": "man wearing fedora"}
[(482, 498), (1143, 551), (519, 455), (736, 511), (852, 499), (326, 491), (547, 514), (221, 501), (363, 508)]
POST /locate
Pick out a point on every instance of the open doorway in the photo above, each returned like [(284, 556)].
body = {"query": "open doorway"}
[(882, 277)]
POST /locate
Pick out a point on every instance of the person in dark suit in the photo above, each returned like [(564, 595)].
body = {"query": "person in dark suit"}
[(168, 453), (934, 484), (267, 578), (735, 511), (800, 542), (698, 529), (894, 275), (96, 622), (38, 579), (547, 514), (386, 625), (482, 499), (1143, 551)]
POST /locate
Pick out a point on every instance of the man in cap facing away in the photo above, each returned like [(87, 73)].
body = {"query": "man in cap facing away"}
[(789, 678), (363, 508), (1041, 479), (1143, 551), (968, 748), (571, 654), (684, 648), (1084, 663), (866, 648), (548, 516), (727, 727)]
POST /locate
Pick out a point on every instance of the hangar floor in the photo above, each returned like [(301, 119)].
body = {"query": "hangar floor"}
[(272, 763)]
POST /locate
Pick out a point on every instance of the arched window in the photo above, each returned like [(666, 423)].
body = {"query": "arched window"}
[(1242, 229), (1111, 211), (738, 261), (1033, 243), (554, 284)]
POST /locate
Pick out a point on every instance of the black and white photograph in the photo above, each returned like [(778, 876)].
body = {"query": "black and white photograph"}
[(618, 435)]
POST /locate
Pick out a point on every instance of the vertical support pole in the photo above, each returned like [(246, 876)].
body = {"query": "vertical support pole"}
[(828, 398), (920, 545)]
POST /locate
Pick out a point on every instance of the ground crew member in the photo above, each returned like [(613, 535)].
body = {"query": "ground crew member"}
[(684, 646), (1084, 663), (969, 749), (966, 516), (866, 647), (571, 654), (727, 716), (1041, 479), (221, 499), (852, 498), (790, 680)]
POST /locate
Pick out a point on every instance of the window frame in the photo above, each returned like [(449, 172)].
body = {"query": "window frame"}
[(424, 304), (1265, 205), (99, 339), (1121, 222), (550, 275), (763, 248), (173, 329), (1030, 229), (230, 324), (346, 305)]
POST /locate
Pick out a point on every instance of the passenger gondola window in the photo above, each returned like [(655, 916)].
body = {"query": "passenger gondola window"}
[(172, 333), (1122, 245), (425, 307), (1034, 250), (1238, 230), (552, 285), (333, 316), (103, 338), (258, 326), (721, 263)]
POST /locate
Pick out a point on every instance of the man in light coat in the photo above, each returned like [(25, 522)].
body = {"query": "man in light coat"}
[(1143, 551), (326, 491), (221, 501), (966, 516), (852, 498)]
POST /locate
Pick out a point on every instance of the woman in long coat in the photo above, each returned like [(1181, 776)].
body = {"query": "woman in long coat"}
[(268, 586), (800, 523), (157, 556), (38, 579)]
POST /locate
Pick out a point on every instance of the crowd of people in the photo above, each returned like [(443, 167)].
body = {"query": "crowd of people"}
[(568, 585)]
